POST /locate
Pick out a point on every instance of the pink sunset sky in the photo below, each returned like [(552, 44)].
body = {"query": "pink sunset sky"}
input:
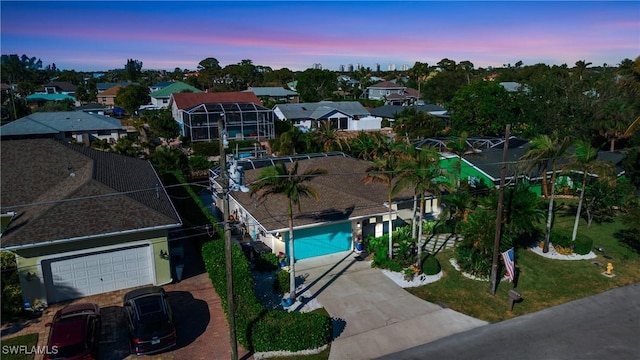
[(97, 36)]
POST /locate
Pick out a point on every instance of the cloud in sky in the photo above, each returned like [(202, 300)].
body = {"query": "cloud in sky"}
[(88, 35)]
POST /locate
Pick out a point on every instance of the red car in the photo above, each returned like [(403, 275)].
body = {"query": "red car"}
[(74, 333)]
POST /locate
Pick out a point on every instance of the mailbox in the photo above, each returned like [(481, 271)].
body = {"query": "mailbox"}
[(514, 297)]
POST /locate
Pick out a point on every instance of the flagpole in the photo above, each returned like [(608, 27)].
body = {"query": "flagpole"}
[(496, 244)]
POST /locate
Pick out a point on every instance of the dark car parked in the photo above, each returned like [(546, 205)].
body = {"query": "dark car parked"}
[(150, 320), (74, 332)]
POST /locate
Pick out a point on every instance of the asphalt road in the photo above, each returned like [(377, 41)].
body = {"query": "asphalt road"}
[(603, 326)]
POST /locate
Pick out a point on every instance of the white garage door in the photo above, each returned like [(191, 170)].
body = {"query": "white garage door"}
[(96, 273)]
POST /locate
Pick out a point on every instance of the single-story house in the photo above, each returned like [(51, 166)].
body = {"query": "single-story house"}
[(483, 163), (83, 221), (57, 87), (391, 93), (347, 209), (276, 94), (79, 126), (93, 108), (390, 112), (245, 118), (39, 99), (344, 115), (161, 97)]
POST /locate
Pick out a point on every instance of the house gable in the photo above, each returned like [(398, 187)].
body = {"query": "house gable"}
[(74, 192)]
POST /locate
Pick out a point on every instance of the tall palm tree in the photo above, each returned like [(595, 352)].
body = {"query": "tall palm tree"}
[(585, 161), (279, 179), (384, 171), (459, 147), (421, 169), (547, 149)]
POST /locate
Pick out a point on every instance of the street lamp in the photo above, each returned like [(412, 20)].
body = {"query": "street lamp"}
[(227, 236)]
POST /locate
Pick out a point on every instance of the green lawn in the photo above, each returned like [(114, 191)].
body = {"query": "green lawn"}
[(29, 340), (542, 282)]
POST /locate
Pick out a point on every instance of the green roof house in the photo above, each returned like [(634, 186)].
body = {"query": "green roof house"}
[(160, 99)]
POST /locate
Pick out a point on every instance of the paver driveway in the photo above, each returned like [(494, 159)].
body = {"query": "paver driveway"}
[(202, 328)]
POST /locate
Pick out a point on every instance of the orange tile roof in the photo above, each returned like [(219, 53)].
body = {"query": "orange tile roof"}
[(187, 100), (111, 91)]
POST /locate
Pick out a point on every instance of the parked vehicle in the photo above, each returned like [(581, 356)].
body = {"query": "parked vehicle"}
[(74, 333), (150, 320)]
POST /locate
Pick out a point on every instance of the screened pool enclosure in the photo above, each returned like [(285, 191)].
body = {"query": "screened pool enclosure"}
[(243, 121)]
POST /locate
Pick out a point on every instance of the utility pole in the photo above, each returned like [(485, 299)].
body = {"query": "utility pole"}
[(496, 244), (227, 239)]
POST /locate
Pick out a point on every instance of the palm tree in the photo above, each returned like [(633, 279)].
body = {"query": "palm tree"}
[(585, 161), (547, 149), (421, 170), (384, 171), (292, 142), (459, 147), (614, 120), (581, 67), (328, 137), (279, 179), (635, 125)]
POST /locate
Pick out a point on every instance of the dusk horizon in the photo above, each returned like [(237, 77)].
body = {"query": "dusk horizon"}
[(100, 36)]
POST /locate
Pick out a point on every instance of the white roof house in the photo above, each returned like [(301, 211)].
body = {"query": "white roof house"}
[(344, 115)]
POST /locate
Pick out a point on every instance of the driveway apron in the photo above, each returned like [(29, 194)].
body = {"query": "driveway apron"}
[(374, 316)]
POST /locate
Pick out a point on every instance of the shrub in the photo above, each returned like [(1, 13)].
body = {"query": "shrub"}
[(291, 331), (431, 265), (561, 238), (206, 148), (472, 260), (266, 262), (281, 284), (257, 328), (11, 291), (583, 245)]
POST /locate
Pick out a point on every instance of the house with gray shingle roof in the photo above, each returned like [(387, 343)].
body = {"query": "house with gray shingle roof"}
[(160, 98), (391, 93), (344, 115), (79, 126), (83, 221), (345, 210), (57, 87), (275, 94)]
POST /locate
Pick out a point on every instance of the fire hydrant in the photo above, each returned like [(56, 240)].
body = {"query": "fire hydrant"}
[(609, 268)]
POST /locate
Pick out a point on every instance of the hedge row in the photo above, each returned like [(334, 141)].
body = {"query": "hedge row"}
[(257, 328)]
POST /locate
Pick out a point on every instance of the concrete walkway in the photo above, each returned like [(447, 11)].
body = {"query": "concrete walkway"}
[(373, 316)]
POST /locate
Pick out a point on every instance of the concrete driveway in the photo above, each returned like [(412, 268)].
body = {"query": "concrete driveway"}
[(374, 316)]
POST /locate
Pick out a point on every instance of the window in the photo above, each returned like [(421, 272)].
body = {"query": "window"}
[(165, 101)]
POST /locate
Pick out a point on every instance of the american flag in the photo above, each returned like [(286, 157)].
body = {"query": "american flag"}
[(509, 263)]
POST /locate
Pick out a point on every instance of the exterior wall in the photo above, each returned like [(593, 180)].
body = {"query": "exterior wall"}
[(381, 93), (87, 137), (161, 103), (30, 260), (106, 100), (366, 123), (467, 170)]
